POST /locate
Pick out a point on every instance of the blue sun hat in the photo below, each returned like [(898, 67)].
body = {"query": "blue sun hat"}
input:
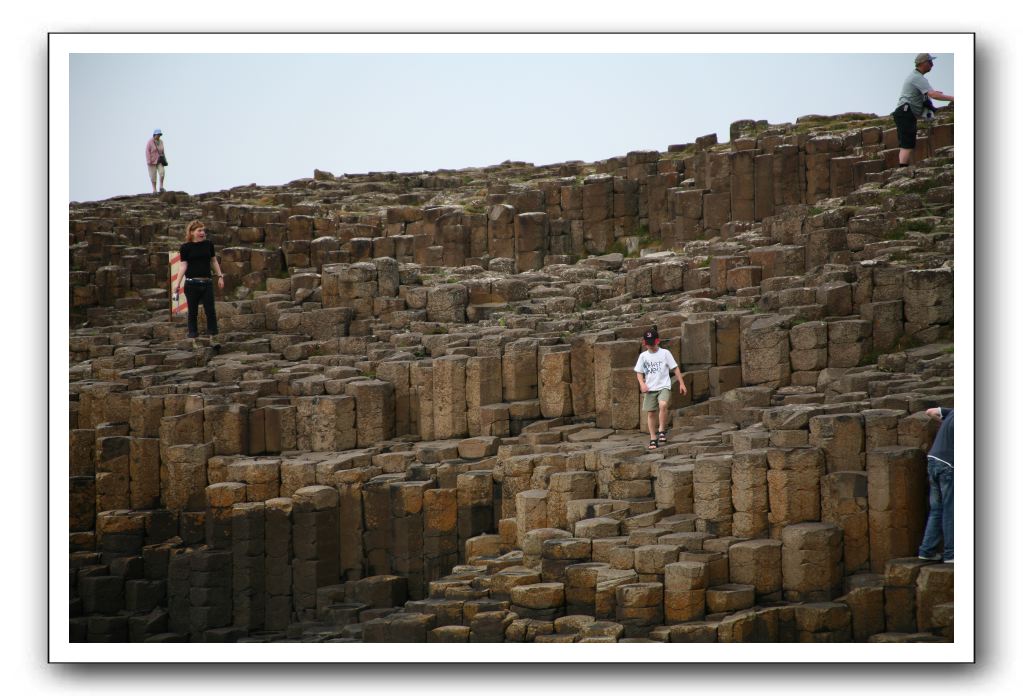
[(157, 132)]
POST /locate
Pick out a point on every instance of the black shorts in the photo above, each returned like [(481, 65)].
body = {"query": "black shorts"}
[(905, 126)]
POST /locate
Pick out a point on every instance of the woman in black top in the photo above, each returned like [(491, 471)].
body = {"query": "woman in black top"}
[(197, 259)]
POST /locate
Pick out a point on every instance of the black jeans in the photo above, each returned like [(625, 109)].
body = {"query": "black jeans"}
[(200, 292)]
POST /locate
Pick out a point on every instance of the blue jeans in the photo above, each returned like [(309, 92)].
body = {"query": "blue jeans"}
[(197, 293), (939, 521)]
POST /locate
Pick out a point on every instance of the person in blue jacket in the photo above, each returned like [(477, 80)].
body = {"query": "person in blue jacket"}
[(940, 471)]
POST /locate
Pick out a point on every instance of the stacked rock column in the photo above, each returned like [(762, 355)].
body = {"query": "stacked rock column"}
[(749, 494), (316, 545), (440, 532), (248, 532), (896, 501), (277, 542), (475, 496), (811, 562), (407, 498), (712, 495), (793, 482), (685, 585)]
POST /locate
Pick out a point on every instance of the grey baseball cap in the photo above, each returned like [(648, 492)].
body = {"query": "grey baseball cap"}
[(923, 58)]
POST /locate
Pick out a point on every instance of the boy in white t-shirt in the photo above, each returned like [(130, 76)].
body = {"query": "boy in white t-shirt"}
[(653, 369)]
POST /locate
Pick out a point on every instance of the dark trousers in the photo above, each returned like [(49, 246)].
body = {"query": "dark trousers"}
[(905, 127), (200, 292)]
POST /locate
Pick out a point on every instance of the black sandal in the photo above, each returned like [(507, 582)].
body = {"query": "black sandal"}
[(652, 445), (662, 436)]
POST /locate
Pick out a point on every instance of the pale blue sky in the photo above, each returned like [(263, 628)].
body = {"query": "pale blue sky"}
[(234, 119)]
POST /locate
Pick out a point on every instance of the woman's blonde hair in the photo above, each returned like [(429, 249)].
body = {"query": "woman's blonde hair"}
[(190, 230)]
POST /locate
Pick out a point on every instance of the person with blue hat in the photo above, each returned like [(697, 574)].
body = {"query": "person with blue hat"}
[(155, 159)]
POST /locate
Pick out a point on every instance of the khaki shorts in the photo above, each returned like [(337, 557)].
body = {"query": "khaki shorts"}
[(154, 169), (650, 399)]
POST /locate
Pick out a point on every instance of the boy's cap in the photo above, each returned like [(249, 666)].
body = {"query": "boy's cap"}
[(649, 337)]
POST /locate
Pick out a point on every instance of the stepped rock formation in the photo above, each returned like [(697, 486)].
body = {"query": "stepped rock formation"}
[(422, 422)]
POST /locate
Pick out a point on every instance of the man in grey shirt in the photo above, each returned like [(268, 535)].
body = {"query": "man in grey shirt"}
[(914, 103)]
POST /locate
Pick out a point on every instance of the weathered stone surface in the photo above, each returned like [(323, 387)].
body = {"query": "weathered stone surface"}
[(555, 388), (473, 334), (758, 563), (326, 423), (374, 411), (447, 303), (483, 387), (841, 436), (449, 401), (765, 351), (811, 561), (793, 481), (934, 587), (685, 585), (896, 502), (844, 503)]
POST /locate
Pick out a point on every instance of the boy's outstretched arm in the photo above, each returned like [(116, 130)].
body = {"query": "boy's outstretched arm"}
[(681, 382)]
